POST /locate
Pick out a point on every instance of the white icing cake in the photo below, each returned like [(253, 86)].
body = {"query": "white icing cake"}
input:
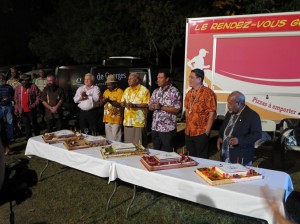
[(123, 147), (167, 156), (94, 139), (63, 134), (232, 169)]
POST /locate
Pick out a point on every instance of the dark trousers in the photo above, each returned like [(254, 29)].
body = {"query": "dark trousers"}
[(197, 145), (164, 140), (89, 119), (51, 123), (29, 118)]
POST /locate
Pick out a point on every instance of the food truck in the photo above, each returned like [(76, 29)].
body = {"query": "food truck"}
[(257, 55)]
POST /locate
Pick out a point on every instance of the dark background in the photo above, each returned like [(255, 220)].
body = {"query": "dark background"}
[(79, 32)]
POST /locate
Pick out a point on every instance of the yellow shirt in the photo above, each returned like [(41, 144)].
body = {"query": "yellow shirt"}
[(113, 115), (136, 117)]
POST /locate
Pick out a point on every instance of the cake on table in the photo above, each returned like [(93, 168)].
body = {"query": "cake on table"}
[(85, 141), (95, 140), (167, 160), (227, 174), (119, 149), (58, 136)]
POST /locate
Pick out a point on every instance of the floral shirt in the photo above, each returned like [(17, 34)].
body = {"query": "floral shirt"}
[(136, 117), (164, 121), (198, 105), (13, 83), (113, 115), (41, 83)]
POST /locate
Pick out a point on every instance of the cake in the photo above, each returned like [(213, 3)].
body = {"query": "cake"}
[(167, 156), (122, 150), (64, 134), (232, 169), (59, 136), (227, 174), (123, 147), (163, 161), (95, 140)]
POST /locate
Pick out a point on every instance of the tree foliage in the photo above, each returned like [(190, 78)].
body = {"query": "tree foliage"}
[(76, 31)]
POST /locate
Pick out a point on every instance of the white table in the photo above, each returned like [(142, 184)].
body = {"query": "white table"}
[(241, 198), (88, 160)]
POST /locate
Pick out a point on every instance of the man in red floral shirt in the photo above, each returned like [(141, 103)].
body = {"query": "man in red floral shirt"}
[(201, 105)]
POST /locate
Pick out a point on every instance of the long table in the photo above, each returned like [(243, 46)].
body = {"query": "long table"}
[(88, 160), (241, 198)]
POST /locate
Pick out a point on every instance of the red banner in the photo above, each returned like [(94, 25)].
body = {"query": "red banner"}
[(246, 24)]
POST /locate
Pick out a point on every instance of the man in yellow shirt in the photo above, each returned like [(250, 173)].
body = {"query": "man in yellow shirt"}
[(113, 111), (135, 99)]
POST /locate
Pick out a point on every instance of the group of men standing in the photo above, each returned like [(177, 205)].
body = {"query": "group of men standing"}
[(240, 129), (20, 98), (129, 109)]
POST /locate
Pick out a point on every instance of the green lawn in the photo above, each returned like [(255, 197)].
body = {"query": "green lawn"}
[(67, 195)]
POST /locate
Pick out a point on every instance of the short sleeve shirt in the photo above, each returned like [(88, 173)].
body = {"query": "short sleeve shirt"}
[(13, 82), (164, 121), (52, 98), (198, 105), (113, 115), (136, 117)]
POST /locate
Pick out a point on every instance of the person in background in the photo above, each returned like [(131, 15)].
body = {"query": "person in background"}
[(87, 97), (113, 112), (33, 77), (135, 99), (165, 103), (27, 97), (239, 132), (13, 81), (41, 83), (52, 99), (6, 112), (2, 164), (201, 105)]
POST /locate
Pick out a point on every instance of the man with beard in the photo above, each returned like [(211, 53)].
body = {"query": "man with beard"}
[(52, 99), (27, 98)]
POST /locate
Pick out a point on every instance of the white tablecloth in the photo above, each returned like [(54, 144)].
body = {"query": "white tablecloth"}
[(88, 160), (241, 198)]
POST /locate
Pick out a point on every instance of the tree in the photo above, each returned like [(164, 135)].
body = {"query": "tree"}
[(164, 29)]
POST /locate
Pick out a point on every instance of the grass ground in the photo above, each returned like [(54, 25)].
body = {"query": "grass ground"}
[(67, 195)]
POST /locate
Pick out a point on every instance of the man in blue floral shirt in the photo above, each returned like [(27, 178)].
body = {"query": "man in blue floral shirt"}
[(165, 103)]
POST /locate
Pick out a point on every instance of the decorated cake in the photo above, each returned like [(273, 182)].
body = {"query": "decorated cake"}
[(227, 174), (167, 156), (95, 140), (59, 136), (123, 147), (81, 143), (232, 169), (122, 150), (165, 160)]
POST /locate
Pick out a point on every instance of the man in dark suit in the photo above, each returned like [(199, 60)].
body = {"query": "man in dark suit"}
[(239, 131)]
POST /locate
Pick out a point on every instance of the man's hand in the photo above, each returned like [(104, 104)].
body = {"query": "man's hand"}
[(233, 141), (219, 143), (53, 109)]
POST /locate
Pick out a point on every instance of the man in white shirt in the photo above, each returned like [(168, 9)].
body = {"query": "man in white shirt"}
[(87, 97)]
